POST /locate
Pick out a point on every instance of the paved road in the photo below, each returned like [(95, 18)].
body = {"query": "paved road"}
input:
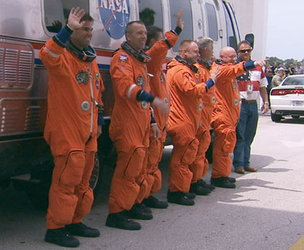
[(264, 212)]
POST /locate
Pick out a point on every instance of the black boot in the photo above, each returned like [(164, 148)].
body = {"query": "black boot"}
[(61, 237), (199, 189), (81, 229), (140, 212), (153, 202), (120, 220), (179, 198), (222, 182)]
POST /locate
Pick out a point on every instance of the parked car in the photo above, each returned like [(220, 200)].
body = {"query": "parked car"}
[(288, 98)]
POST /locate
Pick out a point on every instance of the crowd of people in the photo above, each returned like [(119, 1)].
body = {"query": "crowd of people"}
[(197, 92), (276, 72)]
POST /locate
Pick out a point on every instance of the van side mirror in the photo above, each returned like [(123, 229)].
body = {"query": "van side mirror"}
[(250, 38)]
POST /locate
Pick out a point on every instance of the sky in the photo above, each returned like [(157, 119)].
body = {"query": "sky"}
[(285, 30)]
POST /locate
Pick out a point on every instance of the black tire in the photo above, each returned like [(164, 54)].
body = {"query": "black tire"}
[(210, 148), (276, 118), (96, 174)]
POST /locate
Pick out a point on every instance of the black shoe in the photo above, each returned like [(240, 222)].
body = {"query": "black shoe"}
[(61, 237), (179, 198), (145, 208), (223, 182), (140, 212), (231, 179), (80, 229), (199, 189), (204, 184), (190, 196), (153, 202), (120, 220)]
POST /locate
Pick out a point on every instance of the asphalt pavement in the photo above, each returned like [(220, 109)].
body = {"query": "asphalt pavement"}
[(264, 212)]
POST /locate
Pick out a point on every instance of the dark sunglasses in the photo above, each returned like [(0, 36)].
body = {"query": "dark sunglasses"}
[(245, 50)]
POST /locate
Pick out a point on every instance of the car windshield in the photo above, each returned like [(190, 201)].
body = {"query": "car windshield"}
[(299, 80)]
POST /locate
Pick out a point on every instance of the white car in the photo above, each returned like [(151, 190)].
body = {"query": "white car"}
[(288, 98)]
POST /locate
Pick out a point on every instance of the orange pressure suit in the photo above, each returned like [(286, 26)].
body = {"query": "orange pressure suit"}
[(159, 88), (71, 131), (225, 116), (200, 166), (129, 129), (184, 120)]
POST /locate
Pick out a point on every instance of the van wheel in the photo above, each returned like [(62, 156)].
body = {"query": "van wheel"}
[(275, 118)]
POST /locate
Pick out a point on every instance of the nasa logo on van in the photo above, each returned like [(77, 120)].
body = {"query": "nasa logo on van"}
[(114, 15)]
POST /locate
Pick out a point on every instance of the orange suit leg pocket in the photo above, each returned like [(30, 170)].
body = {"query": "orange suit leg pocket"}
[(135, 164), (155, 153), (84, 205), (73, 172), (190, 152), (229, 141), (125, 186)]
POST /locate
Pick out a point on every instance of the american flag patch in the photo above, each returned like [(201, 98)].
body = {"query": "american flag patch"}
[(123, 58)]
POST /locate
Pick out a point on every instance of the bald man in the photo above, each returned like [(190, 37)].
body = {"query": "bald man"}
[(186, 92), (226, 114), (130, 129)]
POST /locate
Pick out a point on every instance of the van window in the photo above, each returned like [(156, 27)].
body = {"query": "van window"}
[(212, 22), (231, 38), (175, 7), (56, 12), (151, 13)]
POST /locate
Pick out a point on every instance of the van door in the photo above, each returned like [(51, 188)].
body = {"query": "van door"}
[(212, 21), (233, 35), (186, 6)]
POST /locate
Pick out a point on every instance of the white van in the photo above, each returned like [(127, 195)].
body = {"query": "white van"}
[(26, 25)]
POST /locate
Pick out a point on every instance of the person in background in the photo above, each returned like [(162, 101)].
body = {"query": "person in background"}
[(226, 114), (72, 126), (186, 91), (299, 69), (274, 67), (158, 46), (251, 85), (278, 77), (130, 127), (269, 76), (290, 70)]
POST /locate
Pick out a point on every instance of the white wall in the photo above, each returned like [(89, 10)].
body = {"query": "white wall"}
[(252, 17)]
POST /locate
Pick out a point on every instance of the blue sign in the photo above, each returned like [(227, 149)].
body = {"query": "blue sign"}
[(114, 15)]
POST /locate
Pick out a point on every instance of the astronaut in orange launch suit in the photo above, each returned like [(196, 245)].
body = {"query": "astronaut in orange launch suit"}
[(199, 167), (130, 129), (186, 93), (226, 114), (74, 99), (157, 49)]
